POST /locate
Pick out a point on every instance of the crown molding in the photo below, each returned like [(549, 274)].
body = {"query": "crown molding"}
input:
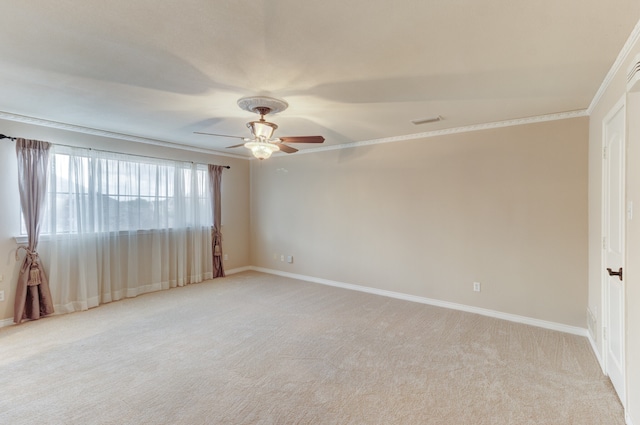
[(455, 130), (111, 134), (622, 56)]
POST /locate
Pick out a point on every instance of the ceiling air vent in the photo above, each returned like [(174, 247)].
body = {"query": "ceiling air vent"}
[(633, 75)]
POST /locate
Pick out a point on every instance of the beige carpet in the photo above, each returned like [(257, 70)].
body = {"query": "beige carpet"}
[(260, 349)]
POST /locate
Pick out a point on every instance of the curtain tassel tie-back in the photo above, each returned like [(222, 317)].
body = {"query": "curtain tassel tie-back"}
[(217, 239), (34, 270), (34, 276)]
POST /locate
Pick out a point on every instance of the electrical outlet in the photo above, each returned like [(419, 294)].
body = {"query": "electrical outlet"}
[(476, 286), (226, 257), (1, 295), (282, 257), (289, 258)]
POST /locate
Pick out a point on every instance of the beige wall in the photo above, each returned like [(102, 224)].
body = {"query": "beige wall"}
[(235, 194), (505, 207)]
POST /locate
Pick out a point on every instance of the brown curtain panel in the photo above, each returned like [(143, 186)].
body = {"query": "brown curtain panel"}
[(215, 179), (33, 297)]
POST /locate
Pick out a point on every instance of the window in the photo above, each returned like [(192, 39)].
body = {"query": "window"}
[(93, 192)]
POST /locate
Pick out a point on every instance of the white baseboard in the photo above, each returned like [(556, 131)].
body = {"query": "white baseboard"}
[(6, 322), (595, 350), (238, 270), (438, 303)]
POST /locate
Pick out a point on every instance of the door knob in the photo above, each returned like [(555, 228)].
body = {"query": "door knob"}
[(618, 273)]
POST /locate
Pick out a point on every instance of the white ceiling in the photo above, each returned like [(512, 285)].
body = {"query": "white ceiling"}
[(350, 70)]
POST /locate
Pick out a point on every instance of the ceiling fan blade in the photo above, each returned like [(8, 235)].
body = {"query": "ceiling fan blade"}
[(286, 149), (219, 135), (235, 146), (302, 139)]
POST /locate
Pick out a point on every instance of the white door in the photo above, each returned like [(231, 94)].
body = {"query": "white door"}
[(614, 247)]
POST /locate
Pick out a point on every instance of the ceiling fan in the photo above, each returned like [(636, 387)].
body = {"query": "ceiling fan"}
[(262, 145)]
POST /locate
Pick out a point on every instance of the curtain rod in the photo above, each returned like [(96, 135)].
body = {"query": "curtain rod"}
[(2, 136)]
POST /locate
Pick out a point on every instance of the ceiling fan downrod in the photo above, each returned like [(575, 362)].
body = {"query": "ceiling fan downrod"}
[(262, 110)]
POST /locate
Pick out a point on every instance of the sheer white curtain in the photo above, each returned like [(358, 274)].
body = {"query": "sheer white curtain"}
[(121, 225)]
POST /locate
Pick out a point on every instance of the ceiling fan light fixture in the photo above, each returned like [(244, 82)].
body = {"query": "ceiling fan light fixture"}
[(261, 150), (262, 129)]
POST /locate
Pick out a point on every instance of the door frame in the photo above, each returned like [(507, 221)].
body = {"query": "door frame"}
[(621, 104)]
